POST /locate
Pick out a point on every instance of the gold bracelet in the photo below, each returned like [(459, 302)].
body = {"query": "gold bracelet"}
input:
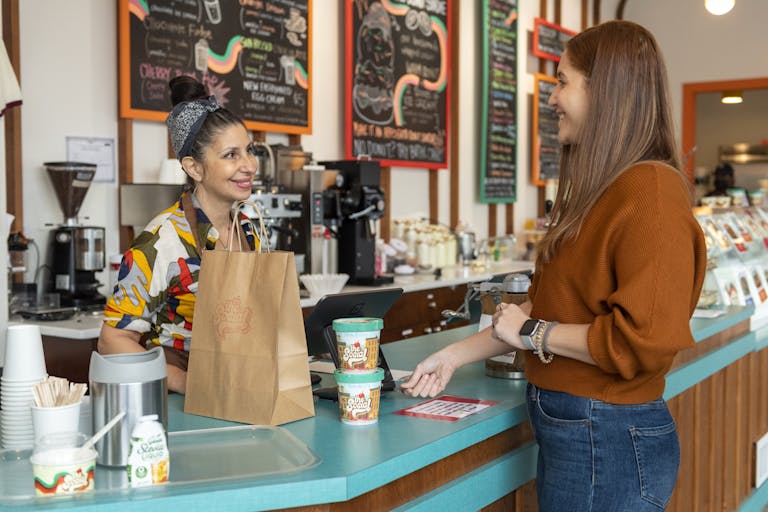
[(538, 341)]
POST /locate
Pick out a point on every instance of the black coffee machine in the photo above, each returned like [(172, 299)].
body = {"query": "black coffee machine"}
[(358, 201), (75, 252)]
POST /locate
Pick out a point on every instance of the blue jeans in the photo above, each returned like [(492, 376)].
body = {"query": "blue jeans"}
[(600, 457)]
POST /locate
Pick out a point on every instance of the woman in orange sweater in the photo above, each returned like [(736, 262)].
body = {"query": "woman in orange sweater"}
[(617, 278)]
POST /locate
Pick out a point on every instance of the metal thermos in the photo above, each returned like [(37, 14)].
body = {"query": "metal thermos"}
[(514, 290), (135, 383)]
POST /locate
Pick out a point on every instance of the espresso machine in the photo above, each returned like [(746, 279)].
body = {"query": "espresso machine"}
[(277, 207), (75, 252), (312, 236), (356, 200)]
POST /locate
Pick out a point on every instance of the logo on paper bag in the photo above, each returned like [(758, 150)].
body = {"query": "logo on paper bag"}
[(232, 317)]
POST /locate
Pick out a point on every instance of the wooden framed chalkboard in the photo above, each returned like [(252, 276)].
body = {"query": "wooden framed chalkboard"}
[(397, 81), (253, 55), (546, 148), (498, 127), (549, 39)]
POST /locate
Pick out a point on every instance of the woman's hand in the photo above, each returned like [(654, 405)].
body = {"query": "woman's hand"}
[(430, 376), (507, 321)]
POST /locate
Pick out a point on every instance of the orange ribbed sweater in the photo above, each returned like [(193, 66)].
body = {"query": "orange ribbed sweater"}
[(634, 274)]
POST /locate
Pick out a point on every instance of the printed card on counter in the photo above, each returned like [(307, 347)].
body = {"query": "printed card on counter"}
[(447, 408)]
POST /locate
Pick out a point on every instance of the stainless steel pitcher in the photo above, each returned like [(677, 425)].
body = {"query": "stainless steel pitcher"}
[(135, 383), (467, 247)]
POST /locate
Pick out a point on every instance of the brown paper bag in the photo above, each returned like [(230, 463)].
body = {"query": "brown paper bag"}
[(248, 359)]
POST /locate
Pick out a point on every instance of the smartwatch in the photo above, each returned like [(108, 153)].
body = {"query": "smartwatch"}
[(526, 332)]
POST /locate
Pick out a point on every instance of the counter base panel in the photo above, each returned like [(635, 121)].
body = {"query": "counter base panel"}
[(439, 478)]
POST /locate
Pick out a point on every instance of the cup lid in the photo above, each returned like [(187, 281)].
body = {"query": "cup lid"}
[(359, 324)]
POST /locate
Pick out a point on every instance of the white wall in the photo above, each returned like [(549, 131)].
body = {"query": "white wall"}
[(69, 84)]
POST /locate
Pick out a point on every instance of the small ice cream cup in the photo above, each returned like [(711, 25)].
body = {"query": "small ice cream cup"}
[(357, 341), (359, 396), (61, 465)]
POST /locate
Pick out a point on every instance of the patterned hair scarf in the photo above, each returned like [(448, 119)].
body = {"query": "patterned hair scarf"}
[(185, 120)]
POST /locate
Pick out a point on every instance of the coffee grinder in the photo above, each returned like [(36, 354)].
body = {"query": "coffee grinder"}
[(361, 202), (76, 252)]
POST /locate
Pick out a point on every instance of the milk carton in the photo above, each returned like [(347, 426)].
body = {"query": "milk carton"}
[(148, 459)]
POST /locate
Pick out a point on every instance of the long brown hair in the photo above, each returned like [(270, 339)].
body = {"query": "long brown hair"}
[(628, 120)]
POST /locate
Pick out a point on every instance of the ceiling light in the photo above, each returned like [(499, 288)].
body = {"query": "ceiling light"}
[(718, 7), (731, 97)]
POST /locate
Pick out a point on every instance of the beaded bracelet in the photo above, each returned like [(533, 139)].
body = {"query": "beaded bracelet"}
[(537, 338), (538, 342)]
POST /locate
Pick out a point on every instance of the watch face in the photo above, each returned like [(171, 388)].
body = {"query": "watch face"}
[(529, 326)]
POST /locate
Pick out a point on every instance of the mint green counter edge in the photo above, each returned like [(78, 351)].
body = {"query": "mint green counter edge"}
[(474, 490)]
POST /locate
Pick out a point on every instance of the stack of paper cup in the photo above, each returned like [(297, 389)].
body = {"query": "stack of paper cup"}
[(358, 376), (24, 367)]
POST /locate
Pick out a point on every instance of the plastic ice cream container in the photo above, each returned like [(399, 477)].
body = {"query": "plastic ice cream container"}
[(357, 341), (359, 396), (61, 465)]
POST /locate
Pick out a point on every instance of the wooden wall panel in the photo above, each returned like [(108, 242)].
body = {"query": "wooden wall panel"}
[(434, 196), (730, 458), (705, 440), (385, 182), (453, 143), (124, 172), (14, 192)]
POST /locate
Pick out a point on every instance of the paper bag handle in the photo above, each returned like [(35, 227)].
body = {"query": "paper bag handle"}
[(261, 233), (191, 217)]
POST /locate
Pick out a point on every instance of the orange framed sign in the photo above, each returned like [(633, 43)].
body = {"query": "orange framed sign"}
[(549, 39), (256, 61)]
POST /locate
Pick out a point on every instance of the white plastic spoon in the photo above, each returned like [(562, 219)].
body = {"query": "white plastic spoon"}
[(106, 428)]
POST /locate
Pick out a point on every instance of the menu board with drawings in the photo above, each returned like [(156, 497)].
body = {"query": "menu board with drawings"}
[(253, 55), (498, 127), (546, 148), (549, 39), (397, 81)]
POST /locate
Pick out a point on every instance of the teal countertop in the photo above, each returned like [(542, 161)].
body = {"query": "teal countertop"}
[(357, 459)]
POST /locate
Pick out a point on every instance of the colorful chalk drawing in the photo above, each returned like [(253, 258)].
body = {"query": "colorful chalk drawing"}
[(411, 79), (375, 62), (226, 62), (138, 8), (255, 60), (300, 74)]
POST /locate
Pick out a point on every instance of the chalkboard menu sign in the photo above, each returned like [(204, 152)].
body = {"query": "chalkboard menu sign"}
[(498, 144), (549, 39), (546, 148), (253, 55), (397, 81)]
